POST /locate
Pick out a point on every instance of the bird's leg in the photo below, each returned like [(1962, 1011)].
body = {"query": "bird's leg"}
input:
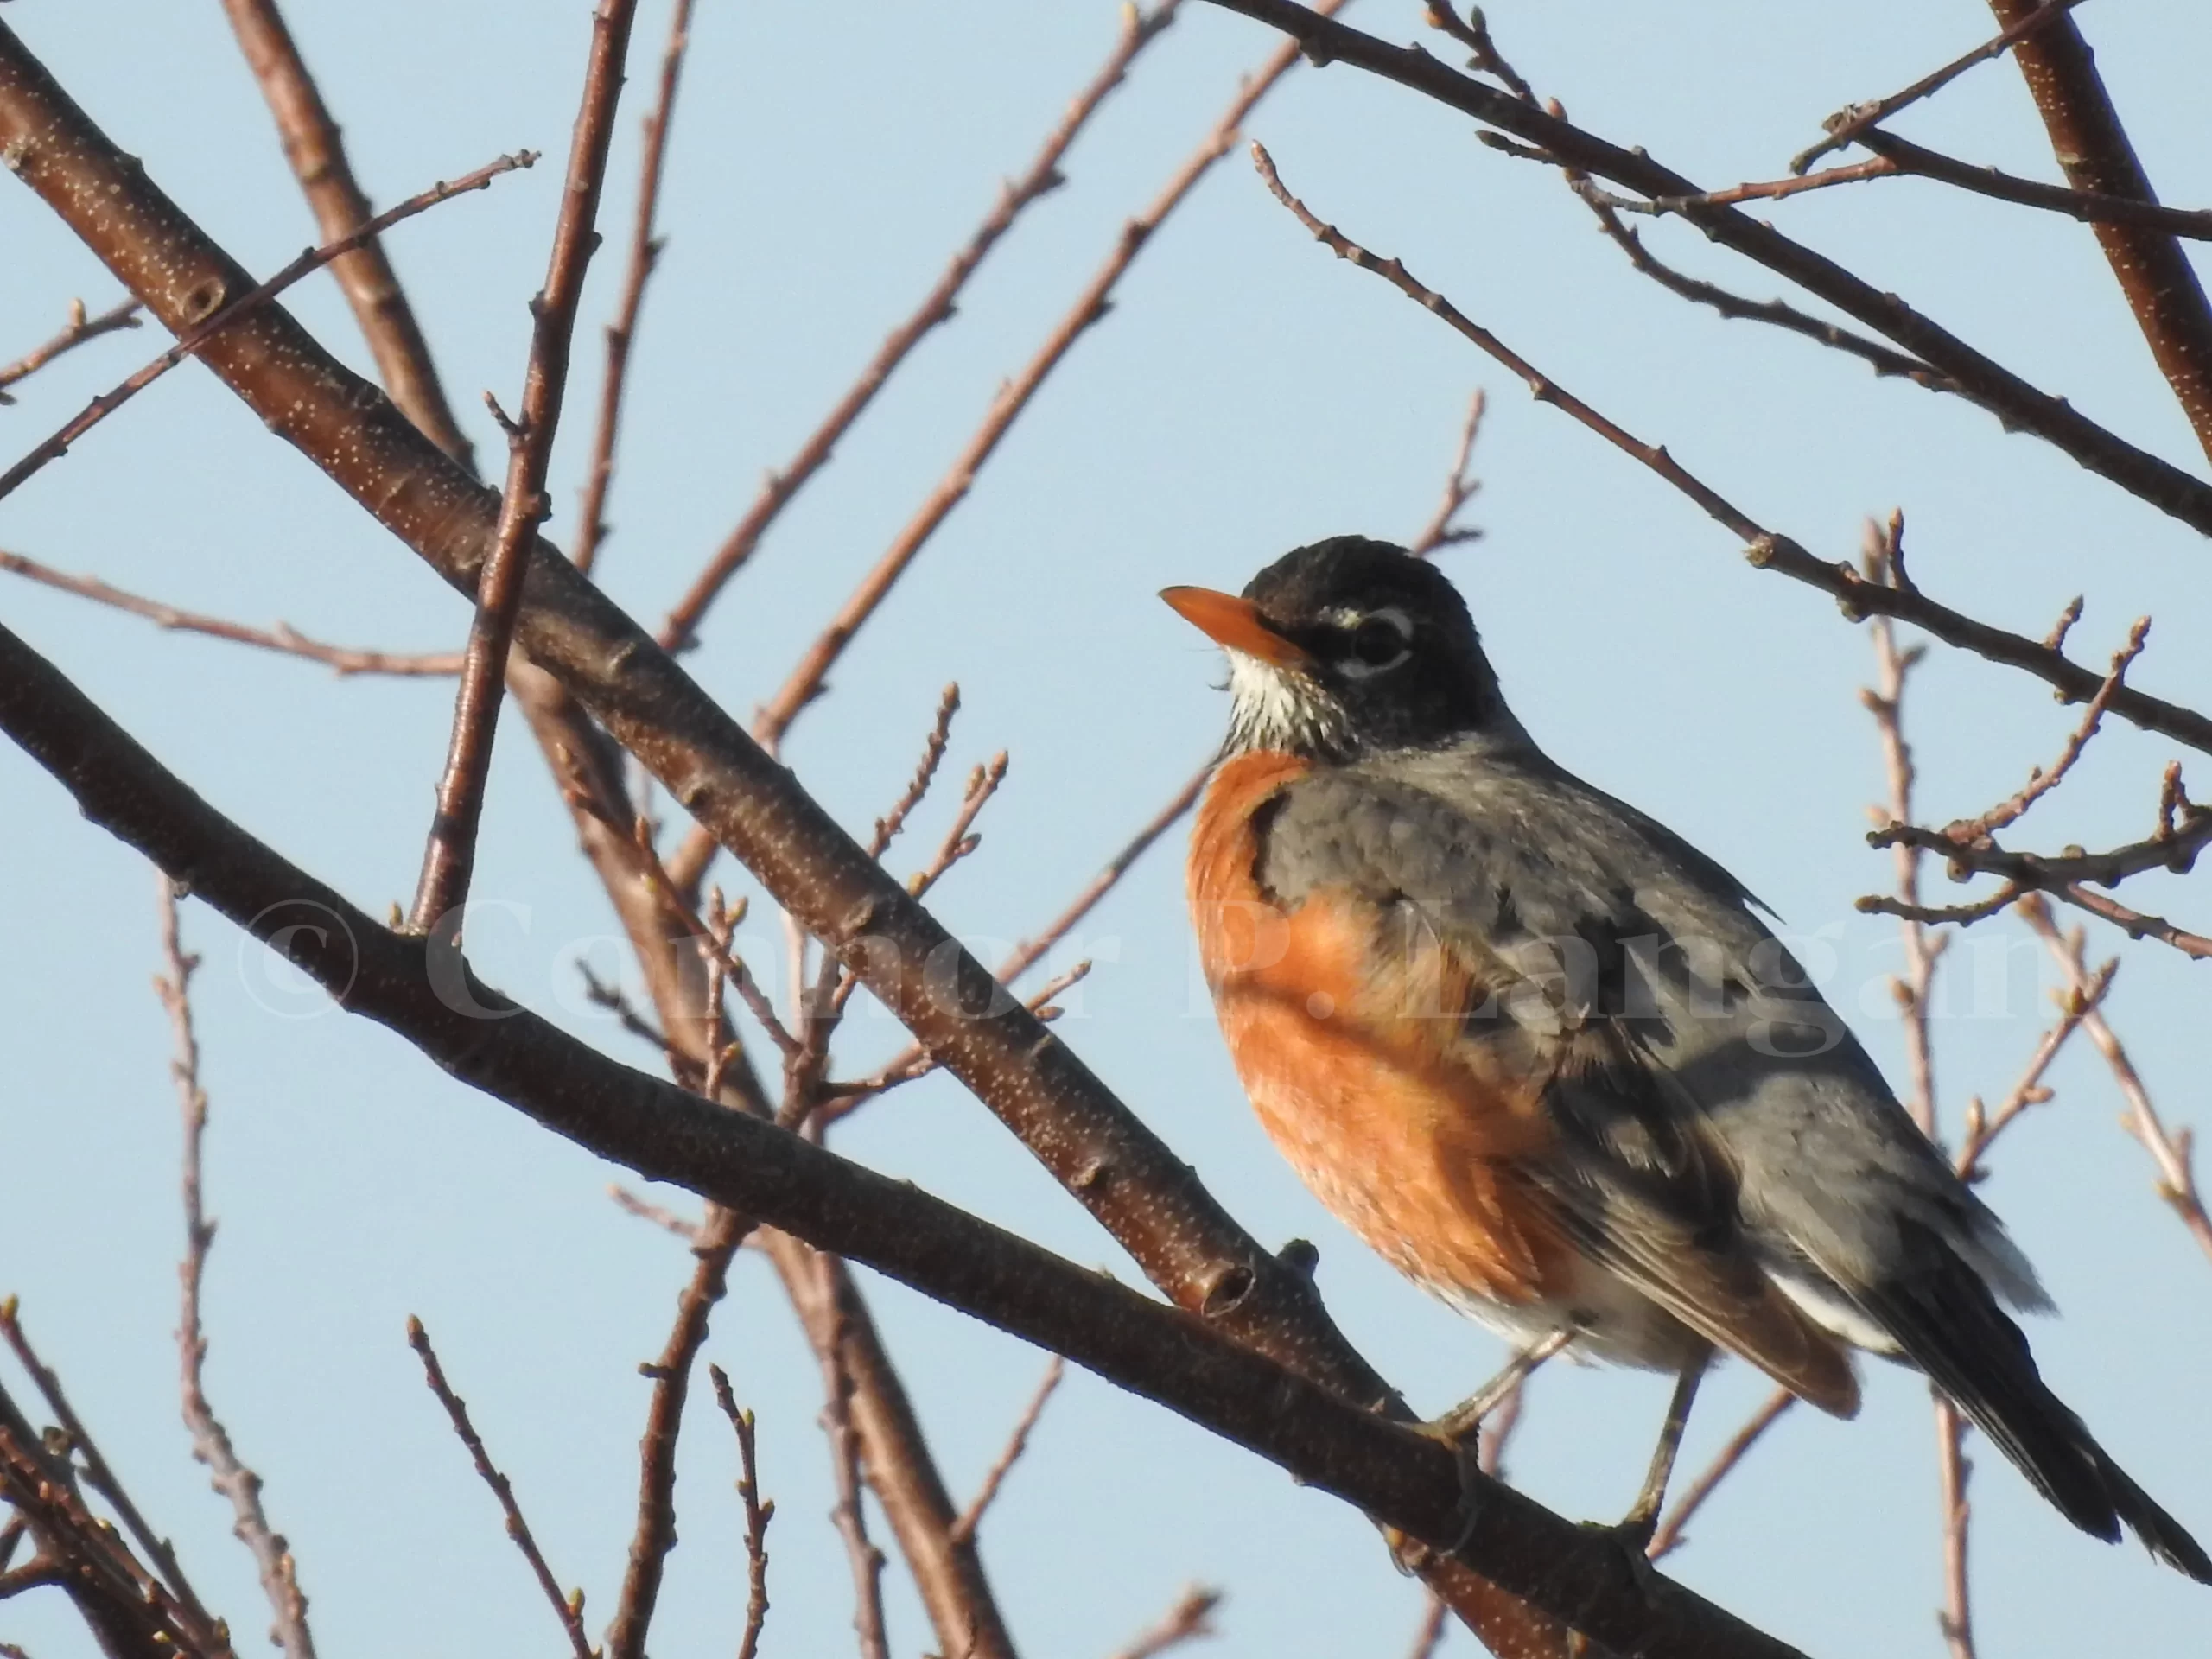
[(1641, 1519), (1461, 1429), (1466, 1418)]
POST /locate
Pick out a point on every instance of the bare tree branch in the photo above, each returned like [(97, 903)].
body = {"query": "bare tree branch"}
[(76, 331), (758, 1512), (645, 254), (283, 639), (1845, 126), (569, 1608), (200, 317), (449, 856), (2141, 475), (2161, 285), (1191, 1365), (365, 275), (211, 1441)]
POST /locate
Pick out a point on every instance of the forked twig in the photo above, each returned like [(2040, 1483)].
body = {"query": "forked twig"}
[(1443, 528)]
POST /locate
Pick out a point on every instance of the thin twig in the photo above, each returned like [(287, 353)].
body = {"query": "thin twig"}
[(211, 1441), (1982, 1126), (710, 948), (449, 852), (2041, 783), (1443, 528), (570, 1608), (759, 1512), (80, 328), (1190, 1618), (1669, 1537), (2170, 1150), (959, 842), (1914, 990), (2090, 207), (1845, 125), (283, 639), (1954, 1469), (805, 681), (214, 316), (645, 254), (659, 1215), (851, 1523), (963, 1529), (654, 1534), (317, 155), (1473, 32), (888, 826), (1042, 176), (1428, 1635)]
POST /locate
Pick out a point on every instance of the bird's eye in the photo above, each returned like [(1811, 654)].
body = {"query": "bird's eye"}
[(1377, 642)]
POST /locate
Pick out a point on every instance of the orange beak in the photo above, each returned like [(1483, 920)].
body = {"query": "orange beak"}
[(1233, 622)]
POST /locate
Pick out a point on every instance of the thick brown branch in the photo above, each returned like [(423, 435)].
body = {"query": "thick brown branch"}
[(2155, 274), (1188, 1364), (1129, 1180)]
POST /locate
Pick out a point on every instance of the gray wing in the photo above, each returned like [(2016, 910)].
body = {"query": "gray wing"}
[(1595, 914)]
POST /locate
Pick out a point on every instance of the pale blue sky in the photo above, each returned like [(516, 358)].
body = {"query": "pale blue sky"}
[(1248, 393)]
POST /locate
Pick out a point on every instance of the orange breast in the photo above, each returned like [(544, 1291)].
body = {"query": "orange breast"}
[(1350, 1040)]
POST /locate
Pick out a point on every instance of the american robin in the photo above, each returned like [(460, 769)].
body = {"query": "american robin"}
[(1545, 1057)]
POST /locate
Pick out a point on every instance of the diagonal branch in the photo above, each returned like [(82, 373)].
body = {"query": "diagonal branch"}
[(200, 317), (2155, 274), (2156, 482), (449, 857), (1845, 126), (364, 275), (1190, 1364)]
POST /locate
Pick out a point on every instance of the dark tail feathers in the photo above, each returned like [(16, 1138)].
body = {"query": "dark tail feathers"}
[(1950, 1325)]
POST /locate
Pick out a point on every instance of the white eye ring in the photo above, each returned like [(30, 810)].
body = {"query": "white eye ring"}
[(1354, 666)]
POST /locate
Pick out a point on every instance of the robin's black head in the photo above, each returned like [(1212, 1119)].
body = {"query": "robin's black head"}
[(1346, 646)]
